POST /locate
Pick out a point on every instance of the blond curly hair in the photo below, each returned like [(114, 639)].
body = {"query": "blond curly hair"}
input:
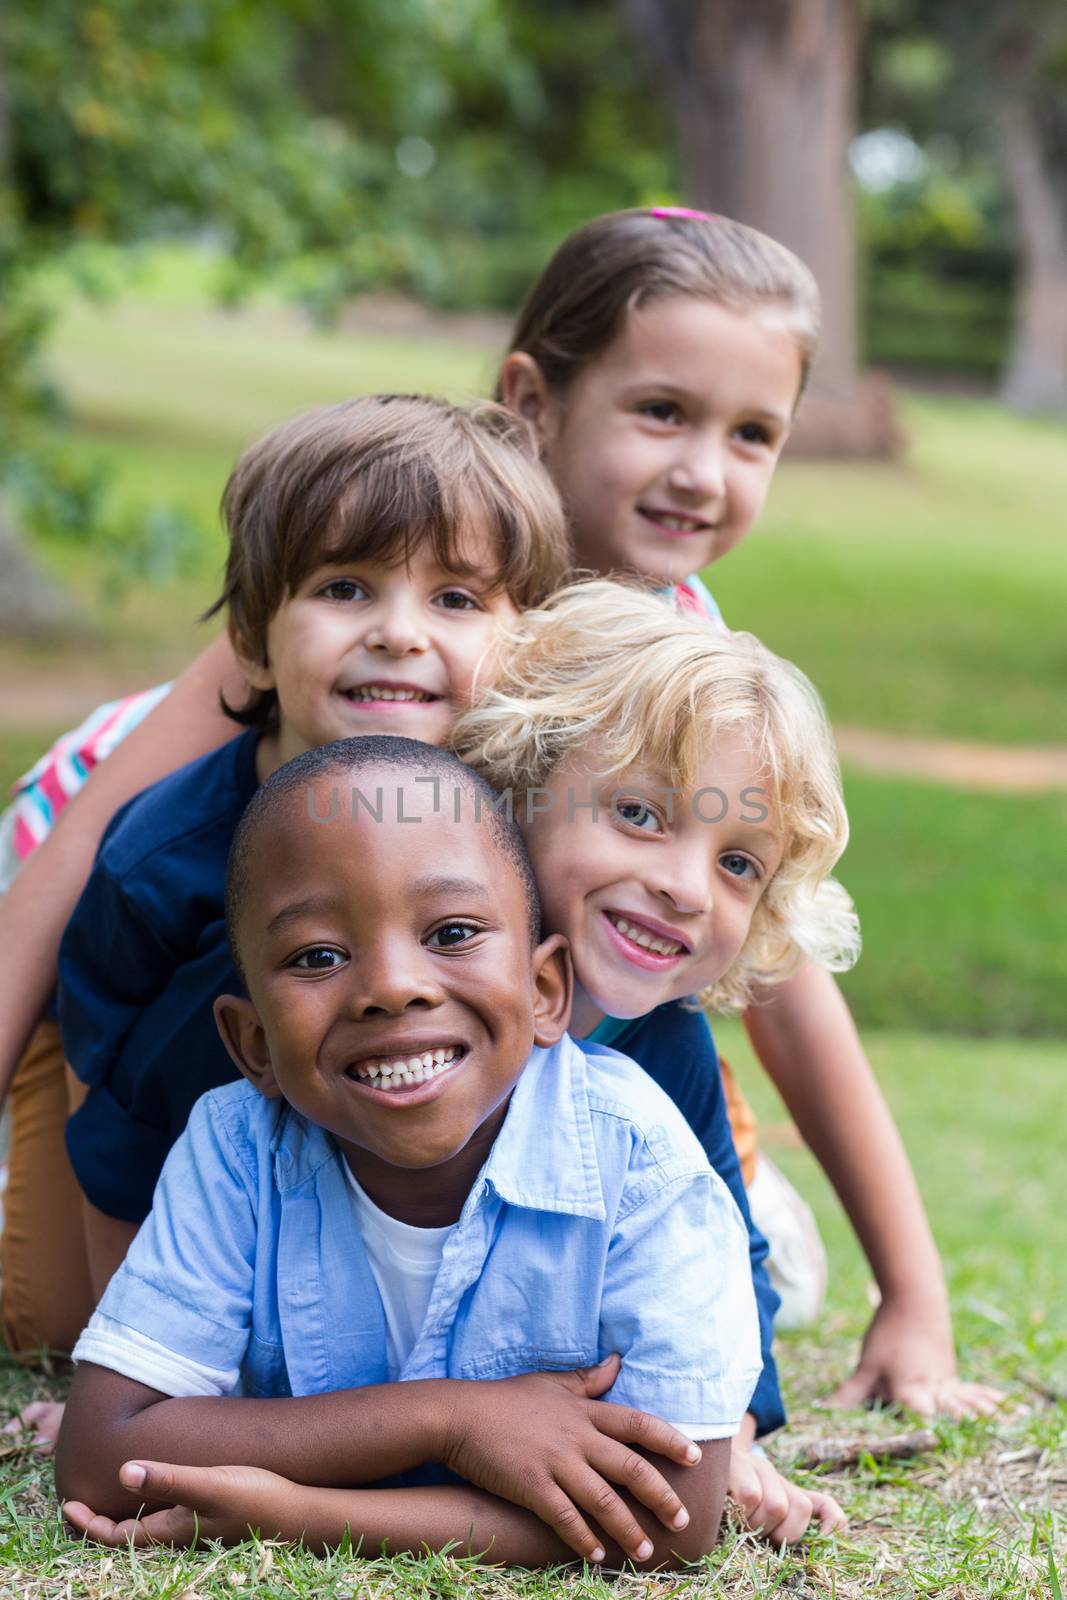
[(614, 667)]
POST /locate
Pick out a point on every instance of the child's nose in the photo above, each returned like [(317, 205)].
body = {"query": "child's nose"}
[(699, 469), (684, 880), (396, 631), (389, 983)]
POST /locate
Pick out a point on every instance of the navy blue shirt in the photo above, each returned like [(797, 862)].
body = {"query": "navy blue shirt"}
[(143, 958), (676, 1049)]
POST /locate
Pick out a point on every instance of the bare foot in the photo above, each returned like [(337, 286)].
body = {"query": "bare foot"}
[(41, 1418)]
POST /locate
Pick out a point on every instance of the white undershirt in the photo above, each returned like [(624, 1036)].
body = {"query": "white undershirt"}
[(404, 1261)]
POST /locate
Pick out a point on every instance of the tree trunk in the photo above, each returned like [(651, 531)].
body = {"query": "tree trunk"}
[(763, 95), (31, 607), (1035, 378)]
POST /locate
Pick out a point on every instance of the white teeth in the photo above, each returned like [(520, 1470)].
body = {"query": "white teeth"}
[(647, 941), (373, 691), (406, 1070)]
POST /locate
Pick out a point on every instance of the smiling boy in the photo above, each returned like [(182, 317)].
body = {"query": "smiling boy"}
[(375, 546), (516, 1204)]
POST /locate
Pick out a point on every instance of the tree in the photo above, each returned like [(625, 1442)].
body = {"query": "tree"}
[(764, 100), (1000, 89), (1029, 61)]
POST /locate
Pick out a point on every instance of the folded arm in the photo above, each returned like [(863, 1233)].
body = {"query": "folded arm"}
[(539, 1442), (230, 1502)]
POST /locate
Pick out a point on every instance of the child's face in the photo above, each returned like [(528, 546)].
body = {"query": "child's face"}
[(664, 446), (651, 868), (362, 647), (395, 996)]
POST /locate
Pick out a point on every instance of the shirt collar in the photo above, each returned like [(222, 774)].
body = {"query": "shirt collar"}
[(544, 1157)]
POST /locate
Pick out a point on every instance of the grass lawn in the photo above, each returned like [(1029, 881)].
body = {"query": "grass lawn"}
[(977, 1518)]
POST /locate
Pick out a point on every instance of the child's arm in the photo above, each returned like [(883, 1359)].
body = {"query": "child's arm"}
[(805, 1038), (35, 909), (533, 1440), (228, 1502)]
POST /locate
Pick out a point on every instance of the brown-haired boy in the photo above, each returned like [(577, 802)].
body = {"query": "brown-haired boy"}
[(374, 546)]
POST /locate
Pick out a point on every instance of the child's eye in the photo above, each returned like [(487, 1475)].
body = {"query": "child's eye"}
[(660, 410), (754, 433), (343, 589), (638, 815), (451, 934), (320, 958), (740, 866), (457, 600)]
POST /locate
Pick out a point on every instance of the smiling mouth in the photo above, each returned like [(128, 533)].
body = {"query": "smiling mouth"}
[(643, 937), (675, 521), (391, 1073), (369, 693)]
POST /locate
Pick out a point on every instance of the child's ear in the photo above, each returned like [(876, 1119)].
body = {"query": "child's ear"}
[(553, 977), (523, 390), (242, 1033), (258, 674)]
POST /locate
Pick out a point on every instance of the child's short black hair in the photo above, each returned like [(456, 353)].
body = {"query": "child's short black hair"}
[(373, 479), (350, 756)]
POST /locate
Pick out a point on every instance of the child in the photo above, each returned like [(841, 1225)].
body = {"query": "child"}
[(374, 547), (395, 1211), (622, 729), (661, 357)]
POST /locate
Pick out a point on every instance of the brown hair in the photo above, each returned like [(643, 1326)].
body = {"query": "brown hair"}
[(371, 479), (618, 261)]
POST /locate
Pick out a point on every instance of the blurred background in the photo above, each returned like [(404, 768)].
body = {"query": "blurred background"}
[(214, 214)]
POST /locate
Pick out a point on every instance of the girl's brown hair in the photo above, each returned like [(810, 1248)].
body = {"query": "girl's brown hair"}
[(372, 479), (621, 260)]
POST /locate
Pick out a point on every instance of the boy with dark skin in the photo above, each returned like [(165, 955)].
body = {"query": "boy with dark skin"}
[(406, 941)]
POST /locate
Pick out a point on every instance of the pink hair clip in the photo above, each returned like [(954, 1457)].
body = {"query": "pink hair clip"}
[(680, 211)]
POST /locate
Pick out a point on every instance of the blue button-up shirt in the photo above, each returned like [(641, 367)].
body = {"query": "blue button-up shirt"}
[(595, 1225)]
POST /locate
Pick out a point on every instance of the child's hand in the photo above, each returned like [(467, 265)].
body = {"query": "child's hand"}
[(773, 1506), (543, 1441), (200, 1503), (908, 1359)]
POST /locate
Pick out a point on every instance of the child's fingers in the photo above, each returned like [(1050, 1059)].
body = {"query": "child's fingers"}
[(628, 1426), (643, 1480), (595, 1496), (199, 1488), (85, 1521), (830, 1515), (560, 1514), (793, 1525), (589, 1381)]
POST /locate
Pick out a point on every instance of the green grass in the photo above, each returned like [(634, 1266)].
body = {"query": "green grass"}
[(961, 904), (963, 1522)]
